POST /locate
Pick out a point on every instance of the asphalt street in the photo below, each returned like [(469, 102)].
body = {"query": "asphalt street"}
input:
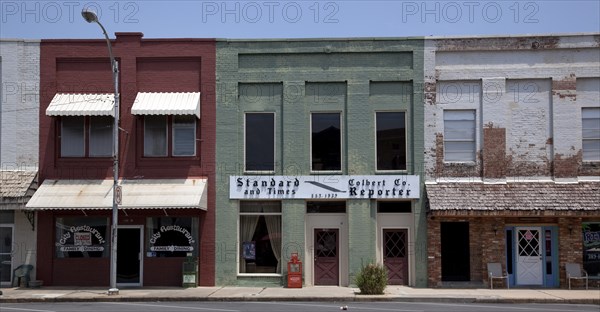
[(290, 307)]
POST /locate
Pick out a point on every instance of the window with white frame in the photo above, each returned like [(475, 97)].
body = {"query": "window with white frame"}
[(79, 132), (326, 142), (260, 237), (182, 130), (259, 142), (391, 140), (590, 128), (459, 135)]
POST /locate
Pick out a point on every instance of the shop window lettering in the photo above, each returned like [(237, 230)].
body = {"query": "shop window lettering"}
[(88, 240), (177, 228), (591, 247), (171, 236)]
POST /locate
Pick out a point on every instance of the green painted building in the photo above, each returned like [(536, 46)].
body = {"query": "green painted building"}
[(319, 153)]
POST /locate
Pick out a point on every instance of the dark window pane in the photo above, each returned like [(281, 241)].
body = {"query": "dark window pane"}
[(394, 207), (326, 142), (260, 141), (101, 136), (155, 136), (184, 135), (171, 236), (82, 237), (326, 207), (391, 141), (72, 141)]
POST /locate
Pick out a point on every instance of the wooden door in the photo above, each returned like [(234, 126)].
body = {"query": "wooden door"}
[(395, 256), (326, 257)]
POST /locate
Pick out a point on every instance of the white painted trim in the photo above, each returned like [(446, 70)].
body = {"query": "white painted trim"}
[(142, 253)]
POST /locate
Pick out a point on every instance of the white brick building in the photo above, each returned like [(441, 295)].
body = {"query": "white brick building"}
[(509, 121), (19, 137)]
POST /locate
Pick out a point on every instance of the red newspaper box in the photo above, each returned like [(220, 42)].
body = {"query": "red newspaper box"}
[(294, 272)]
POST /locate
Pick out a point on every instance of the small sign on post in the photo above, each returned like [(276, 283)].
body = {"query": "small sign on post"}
[(118, 194)]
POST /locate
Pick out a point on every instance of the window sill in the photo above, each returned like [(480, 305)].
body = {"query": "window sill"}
[(326, 172), (393, 172), (461, 163), (258, 172), (259, 275)]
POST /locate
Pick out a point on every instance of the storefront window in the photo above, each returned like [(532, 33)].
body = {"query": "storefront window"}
[(172, 236), (82, 237), (260, 237), (591, 248)]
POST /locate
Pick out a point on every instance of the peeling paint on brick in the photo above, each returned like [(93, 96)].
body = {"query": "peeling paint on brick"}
[(567, 166), (494, 152), (430, 92), (498, 44)]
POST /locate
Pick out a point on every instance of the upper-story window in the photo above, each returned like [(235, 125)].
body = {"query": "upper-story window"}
[(459, 135), (259, 142), (170, 123), (590, 128), (85, 127), (86, 136), (326, 142), (156, 138), (391, 140)]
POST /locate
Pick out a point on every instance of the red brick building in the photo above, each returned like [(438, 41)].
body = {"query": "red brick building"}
[(167, 156)]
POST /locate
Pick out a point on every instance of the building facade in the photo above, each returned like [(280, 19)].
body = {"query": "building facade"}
[(19, 103), (319, 146), (166, 156), (512, 154)]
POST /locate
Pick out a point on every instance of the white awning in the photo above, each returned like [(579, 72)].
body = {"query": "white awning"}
[(136, 194), (64, 104), (171, 103)]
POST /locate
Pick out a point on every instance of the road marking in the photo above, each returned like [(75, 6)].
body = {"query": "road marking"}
[(21, 309), (329, 306), (504, 307), (168, 306)]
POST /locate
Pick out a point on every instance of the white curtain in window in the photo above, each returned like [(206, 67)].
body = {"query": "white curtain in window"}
[(274, 228), (247, 228)]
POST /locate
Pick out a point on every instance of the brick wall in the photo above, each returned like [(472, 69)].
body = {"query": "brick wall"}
[(315, 75), (20, 83)]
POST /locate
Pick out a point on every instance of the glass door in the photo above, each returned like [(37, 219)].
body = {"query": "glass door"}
[(6, 243)]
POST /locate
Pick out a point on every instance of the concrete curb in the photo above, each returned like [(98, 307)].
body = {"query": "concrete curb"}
[(302, 299)]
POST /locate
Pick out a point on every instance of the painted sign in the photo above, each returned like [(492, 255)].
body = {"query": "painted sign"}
[(172, 229), (79, 238), (591, 248), (325, 187)]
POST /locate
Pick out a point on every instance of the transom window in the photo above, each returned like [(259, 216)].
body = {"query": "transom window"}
[(391, 140), (182, 129), (459, 135), (260, 142), (326, 142), (590, 127), (86, 136)]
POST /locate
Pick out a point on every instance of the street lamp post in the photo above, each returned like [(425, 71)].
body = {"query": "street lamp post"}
[(91, 17)]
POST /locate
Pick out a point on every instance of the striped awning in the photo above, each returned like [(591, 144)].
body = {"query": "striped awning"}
[(136, 194), (64, 104), (167, 103)]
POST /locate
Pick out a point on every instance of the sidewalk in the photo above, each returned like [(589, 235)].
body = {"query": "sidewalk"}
[(316, 293)]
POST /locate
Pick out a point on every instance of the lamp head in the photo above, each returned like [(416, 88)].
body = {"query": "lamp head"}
[(89, 16)]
